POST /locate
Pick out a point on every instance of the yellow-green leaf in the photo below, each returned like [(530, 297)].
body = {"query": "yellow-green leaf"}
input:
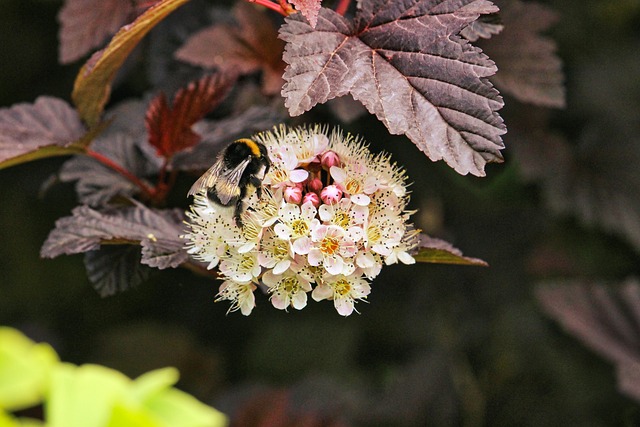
[(92, 87), (25, 369), (438, 251)]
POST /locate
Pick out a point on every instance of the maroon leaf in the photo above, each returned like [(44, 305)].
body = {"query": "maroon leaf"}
[(251, 46), (438, 251), (48, 127), (86, 25), (170, 127), (405, 62), (97, 184), (158, 232), (606, 320), (309, 9), (529, 69), (484, 27), (113, 269)]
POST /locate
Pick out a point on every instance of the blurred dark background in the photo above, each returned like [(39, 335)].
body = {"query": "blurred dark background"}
[(436, 345)]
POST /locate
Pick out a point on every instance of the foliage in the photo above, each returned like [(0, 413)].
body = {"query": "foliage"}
[(90, 395), (173, 82)]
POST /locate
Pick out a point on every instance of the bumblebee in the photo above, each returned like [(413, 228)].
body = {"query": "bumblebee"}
[(237, 172)]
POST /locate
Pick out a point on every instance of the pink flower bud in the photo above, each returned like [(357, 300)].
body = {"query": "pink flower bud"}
[(331, 194), (293, 195), (315, 185), (329, 158), (313, 198)]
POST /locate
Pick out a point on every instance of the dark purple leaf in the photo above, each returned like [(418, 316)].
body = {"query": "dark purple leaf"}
[(113, 269), (438, 251), (605, 319), (97, 184), (45, 128), (405, 62), (249, 47), (86, 25), (598, 179), (164, 71), (529, 69), (484, 27), (346, 109), (87, 229)]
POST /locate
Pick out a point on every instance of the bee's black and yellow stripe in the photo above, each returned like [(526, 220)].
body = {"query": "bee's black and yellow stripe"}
[(253, 146)]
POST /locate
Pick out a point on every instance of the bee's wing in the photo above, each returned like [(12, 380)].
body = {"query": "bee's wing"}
[(228, 182), (207, 180)]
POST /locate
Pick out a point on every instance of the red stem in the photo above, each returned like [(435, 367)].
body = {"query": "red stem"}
[(342, 7), (271, 5), (116, 167)]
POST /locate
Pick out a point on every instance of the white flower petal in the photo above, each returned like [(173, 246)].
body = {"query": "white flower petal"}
[(406, 258), (361, 199), (302, 246), (283, 231), (322, 292), (280, 301), (315, 257), (299, 300), (281, 266), (338, 174), (298, 175), (333, 264), (344, 306)]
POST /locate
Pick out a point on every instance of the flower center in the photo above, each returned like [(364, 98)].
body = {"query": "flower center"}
[(279, 175), (341, 218), (290, 285), (329, 245), (342, 287), (353, 186), (300, 227), (374, 233), (281, 250), (247, 263), (250, 230)]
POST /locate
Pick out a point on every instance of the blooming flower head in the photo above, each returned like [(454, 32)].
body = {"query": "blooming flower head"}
[(331, 215)]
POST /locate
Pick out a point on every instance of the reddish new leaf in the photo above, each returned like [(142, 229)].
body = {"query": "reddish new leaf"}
[(169, 127), (48, 127), (405, 62), (529, 69), (438, 251), (86, 24), (92, 87), (606, 320), (251, 46), (309, 9)]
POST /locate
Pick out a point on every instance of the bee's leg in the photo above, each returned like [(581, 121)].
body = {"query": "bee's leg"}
[(239, 208), (237, 213), (257, 184)]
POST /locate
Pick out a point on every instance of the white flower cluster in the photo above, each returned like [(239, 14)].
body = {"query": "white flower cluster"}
[(331, 214)]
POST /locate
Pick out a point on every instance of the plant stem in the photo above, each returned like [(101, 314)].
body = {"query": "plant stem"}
[(342, 7), (271, 5), (122, 171)]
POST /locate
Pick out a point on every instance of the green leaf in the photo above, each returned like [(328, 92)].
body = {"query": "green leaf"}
[(25, 368), (438, 251), (92, 87), (149, 384), (179, 409), (83, 396)]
